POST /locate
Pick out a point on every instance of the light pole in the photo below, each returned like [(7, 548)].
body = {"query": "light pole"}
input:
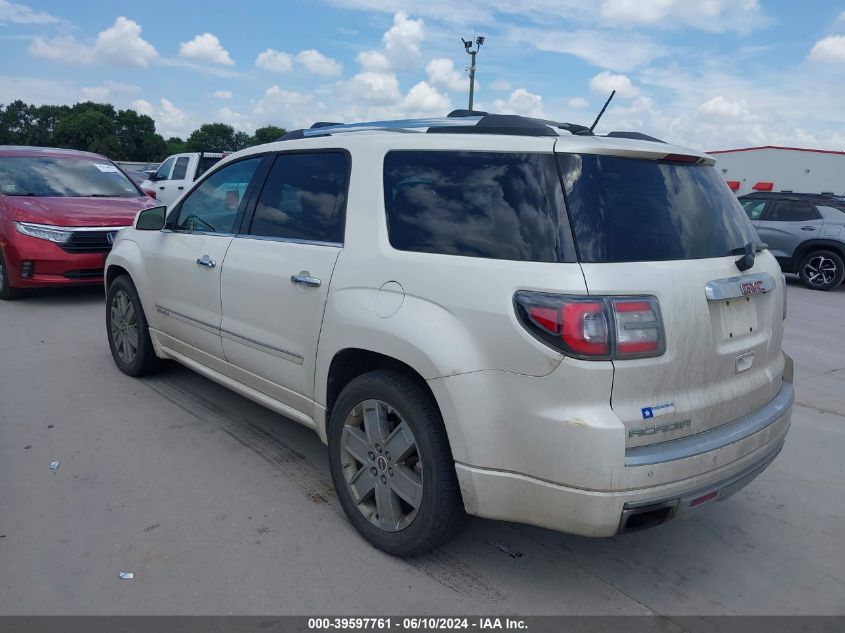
[(468, 47)]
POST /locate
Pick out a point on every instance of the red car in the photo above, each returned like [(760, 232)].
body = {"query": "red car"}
[(59, 212)]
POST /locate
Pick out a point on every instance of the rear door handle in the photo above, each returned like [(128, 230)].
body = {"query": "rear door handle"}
[(161, 188), (305, 280), (180, 188), (206, 261), (808, 228)]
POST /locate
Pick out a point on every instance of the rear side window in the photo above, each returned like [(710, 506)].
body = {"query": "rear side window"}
[(792, 211), (304, 198), (754, 208), (180, 168), (495, 205), (628, 209)]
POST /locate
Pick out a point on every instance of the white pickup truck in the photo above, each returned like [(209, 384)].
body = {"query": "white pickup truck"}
[(176, 174)]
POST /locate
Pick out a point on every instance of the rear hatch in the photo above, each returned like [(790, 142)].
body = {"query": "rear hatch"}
[(671, 229)]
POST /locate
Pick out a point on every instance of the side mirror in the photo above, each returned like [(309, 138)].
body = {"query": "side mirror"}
[(151, 175), (151, 219)]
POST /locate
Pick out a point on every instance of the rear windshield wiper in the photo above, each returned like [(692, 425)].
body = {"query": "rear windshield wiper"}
[(747, 260)]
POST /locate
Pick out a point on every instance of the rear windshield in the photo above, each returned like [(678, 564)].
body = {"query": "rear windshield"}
[(52, 176), (206, 163), (627, 209), (496, 205)]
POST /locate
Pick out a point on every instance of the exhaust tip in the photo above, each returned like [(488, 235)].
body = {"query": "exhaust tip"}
[(645, 517)]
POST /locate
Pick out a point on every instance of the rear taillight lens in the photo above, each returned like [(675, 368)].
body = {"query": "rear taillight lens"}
[(599, 328)]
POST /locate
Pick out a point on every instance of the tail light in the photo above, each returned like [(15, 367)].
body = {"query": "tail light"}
[(150, 193), (596, 328)]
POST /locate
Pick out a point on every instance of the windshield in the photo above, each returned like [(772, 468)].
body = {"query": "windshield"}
[(628, 209), (63, 176)]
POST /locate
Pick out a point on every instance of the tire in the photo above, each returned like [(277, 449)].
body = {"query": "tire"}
[(125, 322), (822, 270), (7, 293), (367, 477)]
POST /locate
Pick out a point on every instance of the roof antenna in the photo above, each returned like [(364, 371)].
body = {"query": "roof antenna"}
[(606, 103)]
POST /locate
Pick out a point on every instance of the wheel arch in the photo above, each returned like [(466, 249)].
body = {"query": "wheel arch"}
[(817, 245)]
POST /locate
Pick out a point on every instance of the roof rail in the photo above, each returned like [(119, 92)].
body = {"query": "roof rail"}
[(461, 122)]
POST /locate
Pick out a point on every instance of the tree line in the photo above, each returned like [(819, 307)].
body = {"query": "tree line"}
[(118, 134)]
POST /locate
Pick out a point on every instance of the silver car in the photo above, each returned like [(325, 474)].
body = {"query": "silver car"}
[(805, 232)]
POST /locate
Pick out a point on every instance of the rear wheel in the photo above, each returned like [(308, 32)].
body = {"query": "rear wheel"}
[(129, 337), (822, 270), (6, 290), (392, 466)]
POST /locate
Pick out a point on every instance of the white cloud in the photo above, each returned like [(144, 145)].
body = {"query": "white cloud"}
[(142, 106), (22, 14), (238, 121), (441, 73), (371, 86), (274, 61), (318, 63), (373, 60), (120, 44), (222, 94), (107, 90), (829, 49), (171, 121), (577, 102), (425, 100), (723, 108), (605, 82), (500, 85), (711, 15), (287, 108), (840, 18), (603, 48), (401, 46), (521, 102), (206, 48)]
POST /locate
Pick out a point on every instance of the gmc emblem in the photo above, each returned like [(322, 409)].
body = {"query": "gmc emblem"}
[(752, 287)]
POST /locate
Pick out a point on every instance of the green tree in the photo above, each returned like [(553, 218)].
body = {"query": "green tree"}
[(267, 134), (137, 136), (16, 123), (87, 129), (173, 145), (44, 122), (214, 137)]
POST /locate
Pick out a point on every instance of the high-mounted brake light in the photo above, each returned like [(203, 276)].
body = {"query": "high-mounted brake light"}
[(595, 328), (681, 158)]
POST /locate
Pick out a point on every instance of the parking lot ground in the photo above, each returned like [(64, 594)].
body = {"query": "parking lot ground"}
[(219, 506)]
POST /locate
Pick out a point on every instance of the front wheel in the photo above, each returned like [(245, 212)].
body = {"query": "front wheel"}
[(822, 270), (129, 337), (392, 466), (6, 290)]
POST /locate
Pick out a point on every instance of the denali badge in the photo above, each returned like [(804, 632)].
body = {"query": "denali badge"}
[(662, 428)]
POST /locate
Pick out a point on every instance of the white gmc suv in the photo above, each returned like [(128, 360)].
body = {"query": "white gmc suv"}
[(481, 314)]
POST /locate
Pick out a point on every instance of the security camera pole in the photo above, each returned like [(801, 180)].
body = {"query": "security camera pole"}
[(468, 47)]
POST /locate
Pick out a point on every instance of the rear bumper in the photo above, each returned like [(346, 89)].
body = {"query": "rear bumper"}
[(50, 265), (576, 476)]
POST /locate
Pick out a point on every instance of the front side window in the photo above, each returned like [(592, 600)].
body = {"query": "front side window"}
[(163, 172), (753, 208), (180, 168), (633, 209), (213, 206), (63, 177), (792, 211), (495, 205), (304, 198)]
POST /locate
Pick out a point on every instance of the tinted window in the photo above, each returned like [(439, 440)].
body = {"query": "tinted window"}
[(304, 198), (214, 204), (180, 169), (754, 208), (792, 211), (163, 172), (206, 162), (59, 176), (477, 204), (626, 209)]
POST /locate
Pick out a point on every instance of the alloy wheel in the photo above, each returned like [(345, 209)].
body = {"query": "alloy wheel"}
[(381, 465), (124, 327), (820, 270)]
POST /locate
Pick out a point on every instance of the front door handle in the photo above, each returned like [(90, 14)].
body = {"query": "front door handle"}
[(161, 188), (206, 261), (180, 188), (808, 228), (305, 279)]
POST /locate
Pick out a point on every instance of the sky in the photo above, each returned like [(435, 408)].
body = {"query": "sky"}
[(709, 74)]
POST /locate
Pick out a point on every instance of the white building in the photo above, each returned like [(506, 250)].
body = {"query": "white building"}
[(791, 169)]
